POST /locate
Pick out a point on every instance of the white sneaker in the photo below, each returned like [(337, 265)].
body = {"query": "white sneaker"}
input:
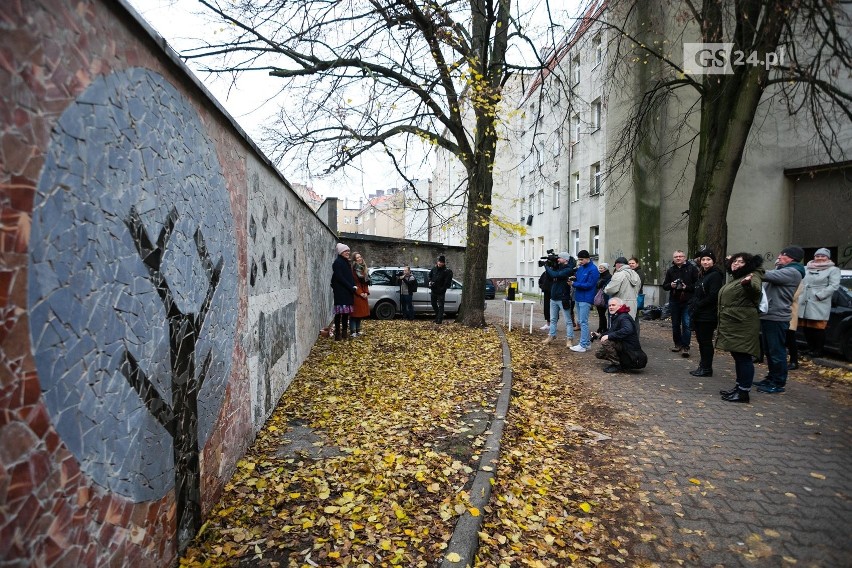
[(548, 339), (545, 327), (579, 349)]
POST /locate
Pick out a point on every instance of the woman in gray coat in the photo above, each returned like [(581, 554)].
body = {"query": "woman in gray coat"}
[(739, 320), (822, 279)]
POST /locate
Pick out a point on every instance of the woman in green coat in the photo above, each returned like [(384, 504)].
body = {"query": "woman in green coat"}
[(739, 320)]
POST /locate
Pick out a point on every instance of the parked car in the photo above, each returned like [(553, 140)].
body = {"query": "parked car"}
[(384, 292), (490, 289), (838, 333)]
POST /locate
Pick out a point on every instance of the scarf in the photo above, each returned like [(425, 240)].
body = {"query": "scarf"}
[(820, 265), (360, 272)]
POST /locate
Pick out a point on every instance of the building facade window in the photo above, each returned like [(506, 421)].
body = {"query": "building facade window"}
[(596, 114), (540, 247), (576, 180), (541, 201), (575, 128), (597, 45), (575, 242), (523, 211), (556, 195), (594, 239), (575, 69), (596, 179)]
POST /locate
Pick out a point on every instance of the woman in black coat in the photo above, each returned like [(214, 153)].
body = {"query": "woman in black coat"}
[(703, 310), (603, 280), (343, 287)]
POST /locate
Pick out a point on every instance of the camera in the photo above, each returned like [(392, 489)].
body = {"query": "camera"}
[(678, 284), (551, 260)]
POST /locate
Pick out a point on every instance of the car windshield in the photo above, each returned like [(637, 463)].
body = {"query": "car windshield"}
[(846, 282)]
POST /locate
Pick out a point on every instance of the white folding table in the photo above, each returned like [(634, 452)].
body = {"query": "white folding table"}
[(508, 304)]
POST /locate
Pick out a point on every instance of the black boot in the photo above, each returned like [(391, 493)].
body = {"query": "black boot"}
[(701, 372), (739, 396), (729, 391)]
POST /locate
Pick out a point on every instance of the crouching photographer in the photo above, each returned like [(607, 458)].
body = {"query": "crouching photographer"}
[(620, 343)]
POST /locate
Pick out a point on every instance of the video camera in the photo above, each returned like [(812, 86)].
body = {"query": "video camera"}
[(551, 260)]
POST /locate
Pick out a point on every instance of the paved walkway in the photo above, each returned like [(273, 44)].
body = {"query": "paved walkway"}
[(761, 484)]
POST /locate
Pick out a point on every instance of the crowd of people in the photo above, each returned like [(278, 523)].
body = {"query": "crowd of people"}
[(752, 313), (350, 285)]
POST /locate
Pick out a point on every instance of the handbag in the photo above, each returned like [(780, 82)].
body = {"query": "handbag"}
[(640, 302), (599, 300)]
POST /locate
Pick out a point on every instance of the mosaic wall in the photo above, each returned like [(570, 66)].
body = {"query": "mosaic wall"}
[(133, 281), (128, 360)]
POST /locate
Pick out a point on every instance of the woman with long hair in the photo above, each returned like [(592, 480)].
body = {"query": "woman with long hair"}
[(704, 308), (361, 306), (343, 287), (739, 320)]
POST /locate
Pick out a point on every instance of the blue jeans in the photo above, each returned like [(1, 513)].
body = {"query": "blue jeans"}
[(744, 367), (775, 337), (407, 305), (680, 324), (583, 309), (555, 308)]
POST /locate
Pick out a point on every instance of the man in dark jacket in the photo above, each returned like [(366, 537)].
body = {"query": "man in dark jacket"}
[(620, 343), (680, 283), (780, 287), (440, 279), (560, 295)]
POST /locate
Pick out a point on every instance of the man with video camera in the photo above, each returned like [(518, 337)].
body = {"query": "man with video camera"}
[(560, 267)]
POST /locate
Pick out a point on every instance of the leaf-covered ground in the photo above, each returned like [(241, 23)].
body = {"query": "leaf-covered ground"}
[(391, 425)]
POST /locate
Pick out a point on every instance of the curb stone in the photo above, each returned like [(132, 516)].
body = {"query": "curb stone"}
[(465, 539)]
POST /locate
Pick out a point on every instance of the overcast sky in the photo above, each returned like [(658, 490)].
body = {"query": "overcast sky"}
[(179, 22)]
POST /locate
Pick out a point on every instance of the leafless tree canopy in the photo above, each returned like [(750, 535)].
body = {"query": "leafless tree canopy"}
[(810, 80), (400, 76)]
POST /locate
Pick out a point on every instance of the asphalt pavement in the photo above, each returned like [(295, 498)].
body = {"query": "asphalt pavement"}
[(762, 484)]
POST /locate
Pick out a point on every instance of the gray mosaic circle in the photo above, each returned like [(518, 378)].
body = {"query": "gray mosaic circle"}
[(130, 142)]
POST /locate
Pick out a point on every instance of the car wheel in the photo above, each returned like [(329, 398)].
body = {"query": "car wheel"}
[(846, 345), (384, 310)]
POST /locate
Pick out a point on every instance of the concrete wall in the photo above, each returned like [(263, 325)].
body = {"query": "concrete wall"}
[(387, 251), (153, 270)]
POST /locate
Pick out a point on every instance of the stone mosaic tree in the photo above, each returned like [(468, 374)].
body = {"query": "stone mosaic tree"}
[(180, 419)]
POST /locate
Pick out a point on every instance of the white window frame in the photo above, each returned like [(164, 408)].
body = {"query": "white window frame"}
[(595, 183), (594, 239), (523, 203), (597, 111), (597, 42), (576, 178), (575, 241), (575, 69), (556, 195), (575, 131), (541, 201), (541, 246)]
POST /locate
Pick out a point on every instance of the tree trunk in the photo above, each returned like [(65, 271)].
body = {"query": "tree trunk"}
[(728, 108), (472, 311)]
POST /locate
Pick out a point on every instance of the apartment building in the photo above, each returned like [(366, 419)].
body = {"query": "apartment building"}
[(573, 194)]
